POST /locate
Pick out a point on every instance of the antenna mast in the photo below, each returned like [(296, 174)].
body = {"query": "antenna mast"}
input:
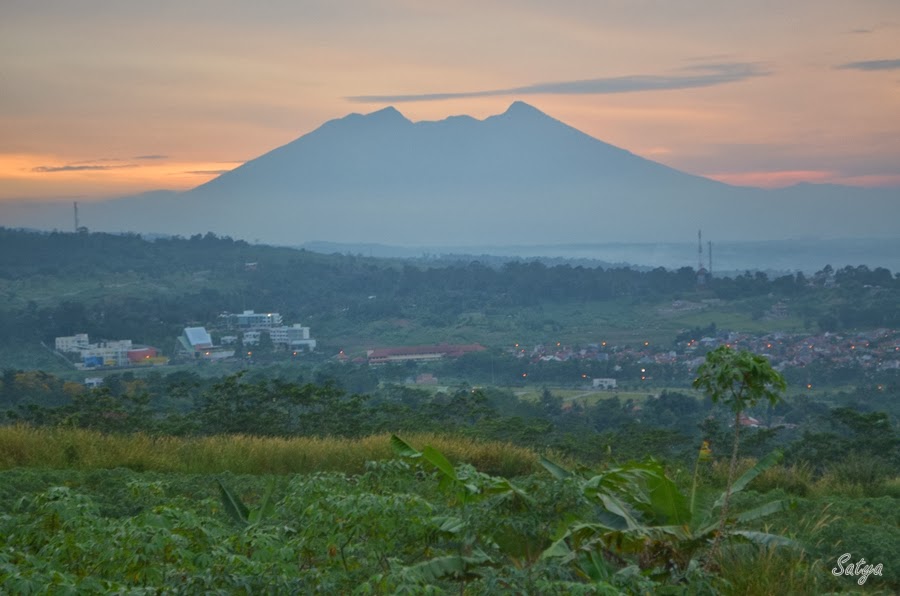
[(75, 204), (699, 250)]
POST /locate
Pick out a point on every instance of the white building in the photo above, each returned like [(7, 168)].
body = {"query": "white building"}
[(110, 353), (104, 353), (604, 383), (252, 320), (294, 337), (251, 338), (72, 344)]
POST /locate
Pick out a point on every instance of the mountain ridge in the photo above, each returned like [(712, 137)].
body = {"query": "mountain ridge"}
[(519, 177)]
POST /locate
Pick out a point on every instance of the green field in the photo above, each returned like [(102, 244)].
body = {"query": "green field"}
[(91, 513)]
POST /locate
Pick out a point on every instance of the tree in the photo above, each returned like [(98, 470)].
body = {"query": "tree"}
[(740, 380)]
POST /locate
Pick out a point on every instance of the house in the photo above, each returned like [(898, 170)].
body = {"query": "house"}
[(603, 383), (426, 379), (749, 422)]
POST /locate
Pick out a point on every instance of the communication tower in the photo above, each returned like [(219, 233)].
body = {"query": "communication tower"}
[(699, 250)]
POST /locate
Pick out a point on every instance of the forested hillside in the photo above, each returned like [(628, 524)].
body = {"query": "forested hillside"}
[(117, 286)]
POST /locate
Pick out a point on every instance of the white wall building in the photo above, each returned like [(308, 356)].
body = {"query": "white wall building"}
[(73, 343), (294, 337), (111, 353), (252, 320), (604, 383)]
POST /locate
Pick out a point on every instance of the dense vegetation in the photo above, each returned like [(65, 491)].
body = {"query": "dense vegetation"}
[(420, 524), (285, 477)]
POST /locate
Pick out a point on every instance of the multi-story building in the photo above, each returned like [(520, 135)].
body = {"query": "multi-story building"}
[(73, 343), (107, 353), (120, 352), (252, 320), (294, 337)]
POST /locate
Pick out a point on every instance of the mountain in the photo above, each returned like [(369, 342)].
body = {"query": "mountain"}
[(520, 177)]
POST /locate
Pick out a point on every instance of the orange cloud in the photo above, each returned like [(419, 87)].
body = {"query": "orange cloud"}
[(27, 176)]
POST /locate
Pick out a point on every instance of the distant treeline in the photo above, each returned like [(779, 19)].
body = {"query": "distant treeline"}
[(228, 275)]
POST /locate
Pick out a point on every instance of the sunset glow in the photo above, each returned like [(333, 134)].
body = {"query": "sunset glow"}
[(740, 94)]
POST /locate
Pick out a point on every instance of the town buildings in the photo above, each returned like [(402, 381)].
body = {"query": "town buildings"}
[(108, 353), (252, 325)]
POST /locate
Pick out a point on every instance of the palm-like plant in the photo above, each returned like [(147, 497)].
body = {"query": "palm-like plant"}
[(740, 380)]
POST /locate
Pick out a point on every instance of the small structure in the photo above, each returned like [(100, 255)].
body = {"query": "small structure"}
[(603, 383), (426, 379), (197, 342), (251, 338)]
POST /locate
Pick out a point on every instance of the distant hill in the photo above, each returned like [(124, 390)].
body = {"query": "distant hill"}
[(520, 177)]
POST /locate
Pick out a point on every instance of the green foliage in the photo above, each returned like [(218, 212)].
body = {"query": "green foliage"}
[(399, 526), (739, 379), (643, 519)]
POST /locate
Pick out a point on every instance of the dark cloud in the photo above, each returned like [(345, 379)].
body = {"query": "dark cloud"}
[(705, 75), (151, 157), (79, 168), (871, 65), (207, 172)]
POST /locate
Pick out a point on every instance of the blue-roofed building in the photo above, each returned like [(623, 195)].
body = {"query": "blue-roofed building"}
[(197, 342)]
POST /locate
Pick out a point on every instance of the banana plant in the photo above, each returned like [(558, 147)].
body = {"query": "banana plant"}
[(239, 512), (642, 516), (468, 486)]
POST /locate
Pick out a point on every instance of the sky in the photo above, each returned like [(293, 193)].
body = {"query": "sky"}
[(102, 98)]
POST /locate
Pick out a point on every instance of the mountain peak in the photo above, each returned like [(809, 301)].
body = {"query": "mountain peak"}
[(389, 113), (520, 108)]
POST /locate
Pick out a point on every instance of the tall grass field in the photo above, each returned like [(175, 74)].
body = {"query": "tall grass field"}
[(62, 448)]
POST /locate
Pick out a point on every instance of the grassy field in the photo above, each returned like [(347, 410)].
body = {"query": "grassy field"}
[(58, 448), (591, 396)]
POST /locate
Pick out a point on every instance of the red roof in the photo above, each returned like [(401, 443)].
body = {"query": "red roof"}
[(451, 350)]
